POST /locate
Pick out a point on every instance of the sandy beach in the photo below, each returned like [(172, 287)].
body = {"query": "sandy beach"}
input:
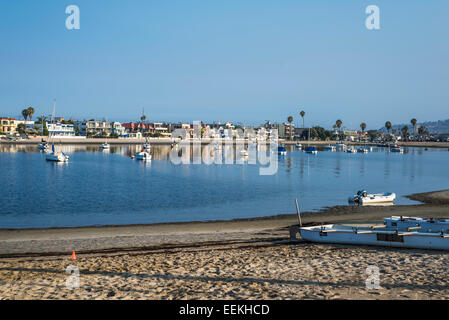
[(240, 259)]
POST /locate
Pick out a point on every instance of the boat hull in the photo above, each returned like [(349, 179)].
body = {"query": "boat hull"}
[(376, 238), (56, 158), (143, 156)]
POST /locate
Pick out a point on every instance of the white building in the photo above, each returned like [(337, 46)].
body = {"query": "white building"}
[(59, 130)]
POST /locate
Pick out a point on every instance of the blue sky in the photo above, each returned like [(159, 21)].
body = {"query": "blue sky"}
[(244, 61)]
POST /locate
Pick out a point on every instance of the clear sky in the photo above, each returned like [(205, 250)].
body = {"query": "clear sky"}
[(240, 60)]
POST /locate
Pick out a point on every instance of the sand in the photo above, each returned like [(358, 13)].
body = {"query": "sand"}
[(242, 259)]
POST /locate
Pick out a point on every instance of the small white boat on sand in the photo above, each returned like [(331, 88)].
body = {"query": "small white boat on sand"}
[(56, 156), (363, 198), (356, 235)]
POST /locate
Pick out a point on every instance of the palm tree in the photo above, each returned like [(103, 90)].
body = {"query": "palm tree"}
[(290, 120), (142, 120), (404, 131), (302, 114), (413, 122), (388, 126), (25, 114), (338, 125), (421, 131), (363, 127), (30, 112)]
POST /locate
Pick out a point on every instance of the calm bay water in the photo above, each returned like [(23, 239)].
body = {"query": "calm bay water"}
[(108, 188)]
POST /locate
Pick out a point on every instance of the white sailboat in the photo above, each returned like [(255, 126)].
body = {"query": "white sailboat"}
[(56, 156), (53, 155)]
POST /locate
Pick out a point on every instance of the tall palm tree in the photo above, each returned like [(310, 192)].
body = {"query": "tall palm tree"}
[(363, 127), (290, 120), (25, 114), (388, 126), (30, 112), (302, 114), (142, 120), (413, 122), (338, 125)]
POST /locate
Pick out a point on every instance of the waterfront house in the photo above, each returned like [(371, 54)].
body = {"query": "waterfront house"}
[(118, 129), (95, 127), (8, 125), (58, 130)]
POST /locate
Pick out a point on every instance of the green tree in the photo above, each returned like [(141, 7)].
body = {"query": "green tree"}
[(404, 132), (21, 128)]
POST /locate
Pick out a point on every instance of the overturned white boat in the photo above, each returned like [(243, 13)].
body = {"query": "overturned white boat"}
[(362, 197), (342, 234)]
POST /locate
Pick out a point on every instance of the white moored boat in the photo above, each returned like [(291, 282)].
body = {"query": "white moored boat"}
[(362, 197), (330, 148), (56, 156), (143, 155), (104, 146), (342, 234)]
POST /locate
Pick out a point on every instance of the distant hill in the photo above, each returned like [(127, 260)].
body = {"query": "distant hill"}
[(438, 127)]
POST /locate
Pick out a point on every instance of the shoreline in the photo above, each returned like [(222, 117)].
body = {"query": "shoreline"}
[(431, 198), (240, 259), (169, 141), (35, 242)]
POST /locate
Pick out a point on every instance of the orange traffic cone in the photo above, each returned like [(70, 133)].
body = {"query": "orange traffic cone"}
[(73, 255)]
